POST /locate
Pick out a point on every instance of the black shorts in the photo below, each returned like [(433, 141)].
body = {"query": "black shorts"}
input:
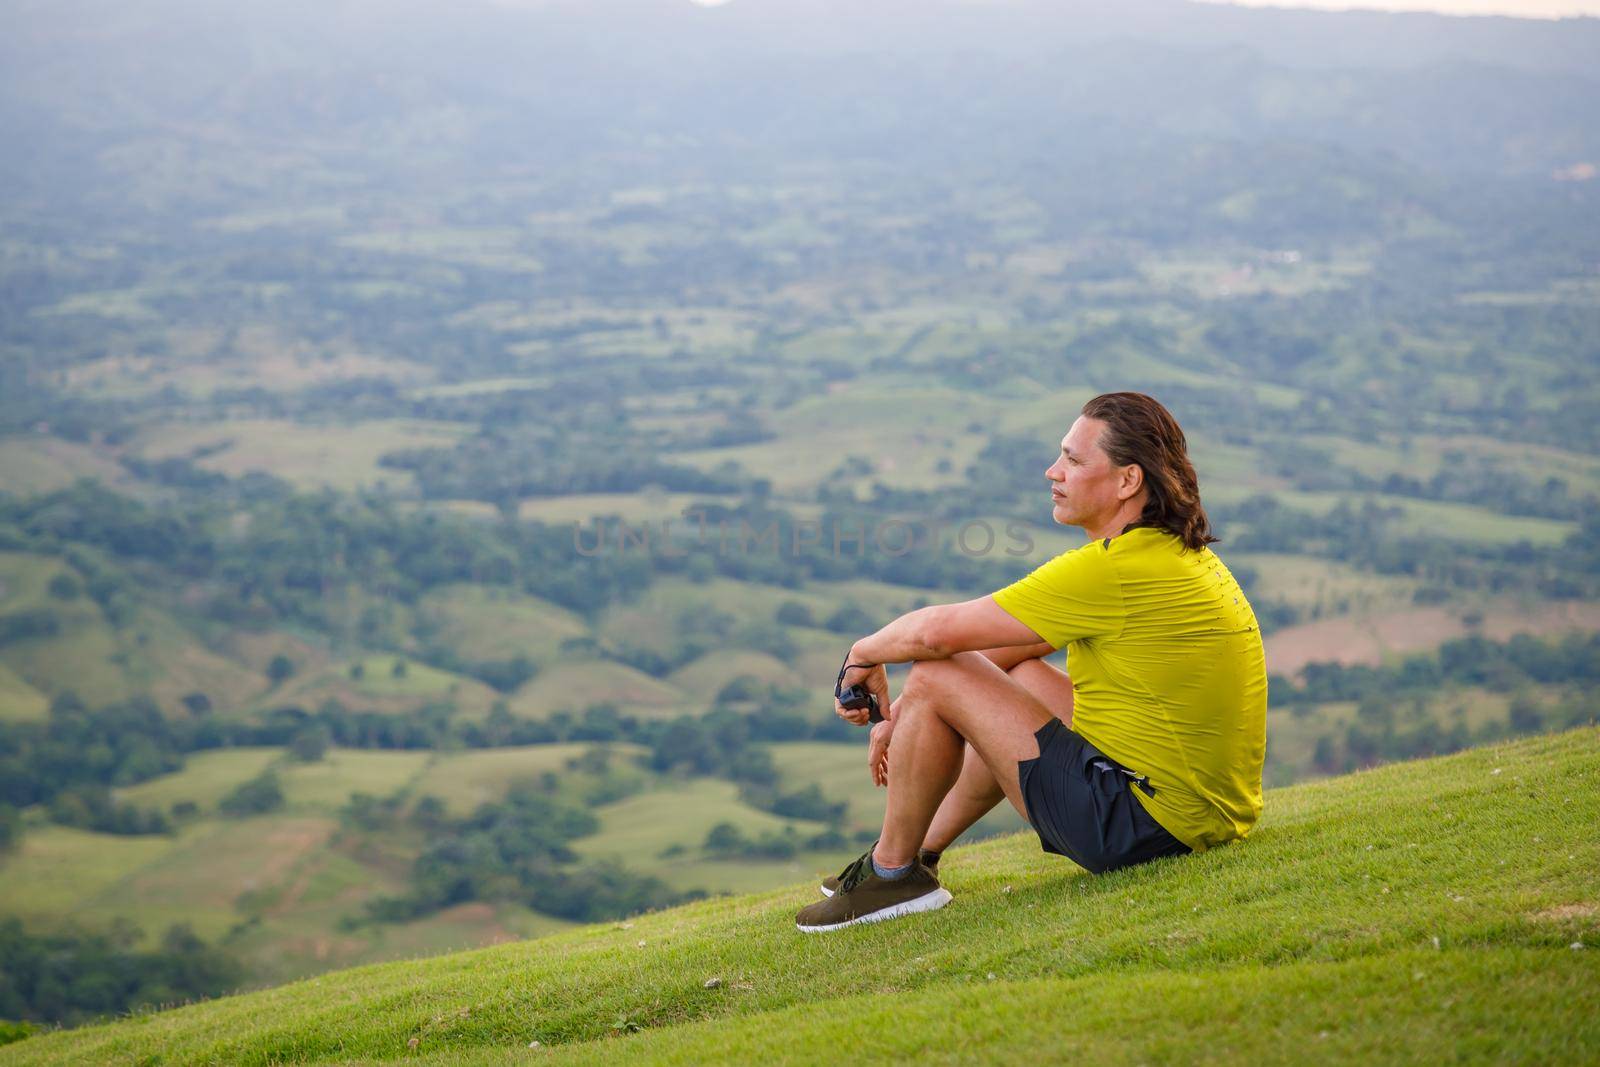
[(1081, 803)]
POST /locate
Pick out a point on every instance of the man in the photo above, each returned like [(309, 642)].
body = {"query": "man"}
[(1154, 744)]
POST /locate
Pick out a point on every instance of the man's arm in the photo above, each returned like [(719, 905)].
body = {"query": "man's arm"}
[(939, 631), (1006, 658)]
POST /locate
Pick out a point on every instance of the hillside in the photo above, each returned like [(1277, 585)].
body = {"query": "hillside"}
[(1447, 909)]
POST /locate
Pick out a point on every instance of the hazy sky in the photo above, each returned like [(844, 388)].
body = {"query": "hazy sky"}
[(1536, 9)]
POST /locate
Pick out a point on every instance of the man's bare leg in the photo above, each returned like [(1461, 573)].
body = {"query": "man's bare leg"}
[(964, 702), (976, 792)]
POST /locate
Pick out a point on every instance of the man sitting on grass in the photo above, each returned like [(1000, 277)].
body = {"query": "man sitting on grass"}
[(1153, 747)]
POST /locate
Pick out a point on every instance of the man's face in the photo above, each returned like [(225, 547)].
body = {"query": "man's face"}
[(1083, 482)]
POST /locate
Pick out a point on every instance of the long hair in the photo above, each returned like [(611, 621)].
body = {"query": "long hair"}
[(1140, 431)]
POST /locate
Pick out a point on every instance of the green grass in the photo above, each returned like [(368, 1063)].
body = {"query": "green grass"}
[(57, 868), (19, 701), (205, 779), (1418, 911), (466, 780)]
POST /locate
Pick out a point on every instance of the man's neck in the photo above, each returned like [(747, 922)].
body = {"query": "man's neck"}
[(1130, 511)]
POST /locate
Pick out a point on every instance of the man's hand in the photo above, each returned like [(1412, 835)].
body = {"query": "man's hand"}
[(878, 752), (876, 680)]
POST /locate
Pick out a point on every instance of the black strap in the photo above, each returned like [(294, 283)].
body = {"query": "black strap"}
[(838, 682)]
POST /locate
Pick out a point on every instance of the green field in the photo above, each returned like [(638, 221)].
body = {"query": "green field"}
[(328, 784), (1292, 733), (484, 623), (38, 464), (371, 683), (493, 247), (1419, 911), (308, 456), (904, 429), (706, 675), (19, 701), (57, 869), (1324, 587), (640, 827), (383, 676), (465, 780), (205, 779), (573, 685), (86, 654), (650, 506), (1422, 518), (638, 830), (1423, 456)]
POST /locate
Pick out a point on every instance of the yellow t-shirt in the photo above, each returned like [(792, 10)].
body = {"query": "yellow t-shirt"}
[(1168, 673)]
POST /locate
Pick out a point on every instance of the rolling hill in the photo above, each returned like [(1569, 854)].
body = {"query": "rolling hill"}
[(1441, 909)]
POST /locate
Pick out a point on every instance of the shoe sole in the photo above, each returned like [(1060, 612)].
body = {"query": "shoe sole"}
[(927, 902)]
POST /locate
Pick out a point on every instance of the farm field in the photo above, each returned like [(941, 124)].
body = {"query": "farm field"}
[(309, 456)]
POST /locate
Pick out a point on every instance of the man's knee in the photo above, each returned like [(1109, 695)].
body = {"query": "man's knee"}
[(928, 677)]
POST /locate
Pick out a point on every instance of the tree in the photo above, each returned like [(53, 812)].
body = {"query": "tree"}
[(280, 670), (65, 587), (724, 839), (850, 619), (743, 689), (794, 613), (311, 743), (257, 796)]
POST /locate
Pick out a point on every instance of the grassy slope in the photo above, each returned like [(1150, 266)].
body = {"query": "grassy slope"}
[(1422, 909)]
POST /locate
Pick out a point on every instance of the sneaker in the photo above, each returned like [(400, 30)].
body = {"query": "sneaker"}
[(863, 897), (928, 859)]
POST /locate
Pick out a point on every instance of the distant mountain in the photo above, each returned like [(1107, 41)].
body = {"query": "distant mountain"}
[(403, 87)]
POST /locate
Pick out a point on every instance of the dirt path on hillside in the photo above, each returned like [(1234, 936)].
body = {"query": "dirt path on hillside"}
[(1355, 639)]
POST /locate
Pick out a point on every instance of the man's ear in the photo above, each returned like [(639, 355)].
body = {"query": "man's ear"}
[(1130, 482)]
